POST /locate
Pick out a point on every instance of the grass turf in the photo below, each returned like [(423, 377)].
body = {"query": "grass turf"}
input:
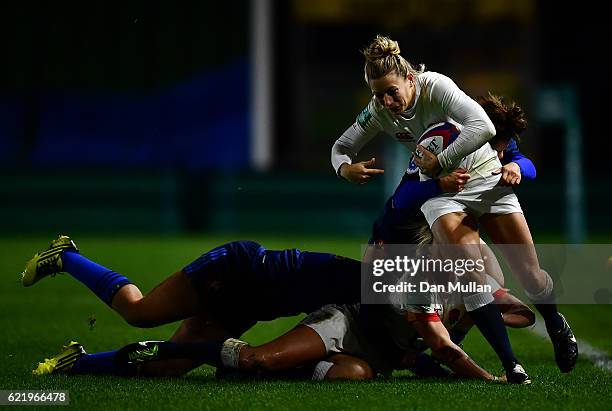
[(38, 320)]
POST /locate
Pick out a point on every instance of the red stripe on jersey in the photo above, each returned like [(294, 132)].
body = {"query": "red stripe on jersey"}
[(427, 317), (501, 292)]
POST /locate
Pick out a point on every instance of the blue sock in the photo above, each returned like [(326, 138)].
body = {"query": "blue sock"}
[(551, 316), (123, 362), (98, 363), (103, 282), (489, 321)]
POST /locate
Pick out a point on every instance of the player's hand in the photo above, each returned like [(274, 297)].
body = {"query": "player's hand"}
[(455, 181), (427, 161), (502, 378), (511, 174), (360, 173)]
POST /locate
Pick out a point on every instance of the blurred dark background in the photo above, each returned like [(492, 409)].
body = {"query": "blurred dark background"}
[(139, 116)]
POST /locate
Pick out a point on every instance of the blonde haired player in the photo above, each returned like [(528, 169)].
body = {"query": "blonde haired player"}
[(405, 102)]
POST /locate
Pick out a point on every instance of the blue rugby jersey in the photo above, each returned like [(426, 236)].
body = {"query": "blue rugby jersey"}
[(274, 283)]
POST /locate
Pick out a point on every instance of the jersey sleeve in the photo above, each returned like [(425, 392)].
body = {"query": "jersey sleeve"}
[(426, 313), (477, 127), (411, 195), (513, 155), (364, 129)]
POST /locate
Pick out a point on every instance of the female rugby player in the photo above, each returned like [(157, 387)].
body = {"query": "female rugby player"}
[(219, 295), (405, 102)]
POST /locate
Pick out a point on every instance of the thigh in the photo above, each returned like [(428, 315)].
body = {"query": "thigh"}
[(456, 228), (507, 228), (172, 300), (512, 232)]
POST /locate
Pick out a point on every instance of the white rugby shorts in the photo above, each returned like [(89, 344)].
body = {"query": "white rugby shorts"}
[(484, 198), (338, 327)]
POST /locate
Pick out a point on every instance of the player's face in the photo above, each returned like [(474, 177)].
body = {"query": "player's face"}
[(394, 92)]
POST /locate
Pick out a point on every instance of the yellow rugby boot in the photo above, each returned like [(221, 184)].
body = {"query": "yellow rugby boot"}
[(47, 262), (61, 362)]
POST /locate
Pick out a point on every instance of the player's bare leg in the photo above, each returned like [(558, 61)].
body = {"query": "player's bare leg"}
[(523, 261), (462, 229), (347, 367), (173, 299), (300, 346)]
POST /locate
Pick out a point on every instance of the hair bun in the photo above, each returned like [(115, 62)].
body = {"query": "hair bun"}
[(381, 47)]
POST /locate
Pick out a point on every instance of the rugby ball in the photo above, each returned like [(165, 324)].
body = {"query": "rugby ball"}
[(435, 139)]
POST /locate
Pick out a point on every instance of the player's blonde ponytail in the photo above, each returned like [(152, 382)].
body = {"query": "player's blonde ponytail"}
[(383, 57)]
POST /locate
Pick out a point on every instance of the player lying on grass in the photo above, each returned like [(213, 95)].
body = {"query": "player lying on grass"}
[(332, 337), (345, 347), (219, 295)]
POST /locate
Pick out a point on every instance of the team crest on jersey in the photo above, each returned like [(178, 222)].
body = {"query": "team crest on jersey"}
[(364, 117), (403, 136)]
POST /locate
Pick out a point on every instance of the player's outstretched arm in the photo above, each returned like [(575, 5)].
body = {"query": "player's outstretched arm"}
[(437, 338), (411, 194)]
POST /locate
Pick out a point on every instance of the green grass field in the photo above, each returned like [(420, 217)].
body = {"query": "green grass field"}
[(38, 320)]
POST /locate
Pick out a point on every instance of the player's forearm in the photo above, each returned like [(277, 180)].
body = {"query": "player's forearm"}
[(472, 137), (528, 170), (412, 194), (513, 155), (477, 128), (460, 363), (346, 148), (340, 156)]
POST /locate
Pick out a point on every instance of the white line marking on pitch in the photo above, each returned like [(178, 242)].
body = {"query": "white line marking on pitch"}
[(600, 358)]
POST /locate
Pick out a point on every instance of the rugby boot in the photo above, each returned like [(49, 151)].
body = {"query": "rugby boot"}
[(518, 375), (565, 346), (61, 362), (47, 262)]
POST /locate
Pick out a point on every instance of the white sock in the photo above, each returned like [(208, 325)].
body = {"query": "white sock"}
[(542, 295), (475, 301), (230, 352), (321, 370)]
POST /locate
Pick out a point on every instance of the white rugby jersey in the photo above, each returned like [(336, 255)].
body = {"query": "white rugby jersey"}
[(400, 313), (437, 99)]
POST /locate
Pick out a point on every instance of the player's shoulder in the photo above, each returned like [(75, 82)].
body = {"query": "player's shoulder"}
[(430, 80)]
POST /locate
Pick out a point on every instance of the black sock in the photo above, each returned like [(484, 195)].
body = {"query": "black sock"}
[(208, 352), (551, 316), (489, 321)]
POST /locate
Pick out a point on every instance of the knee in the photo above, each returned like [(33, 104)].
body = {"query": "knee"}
[(355, 370), (359, 371)]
